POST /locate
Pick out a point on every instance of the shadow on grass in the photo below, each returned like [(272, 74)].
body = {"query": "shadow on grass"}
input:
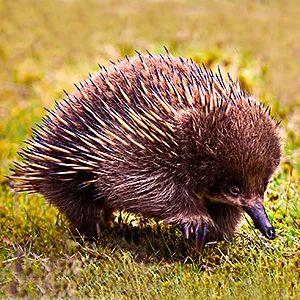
[(149, 241)]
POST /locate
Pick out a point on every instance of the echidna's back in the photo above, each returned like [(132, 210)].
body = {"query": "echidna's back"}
[(109, 113), (129, 108)]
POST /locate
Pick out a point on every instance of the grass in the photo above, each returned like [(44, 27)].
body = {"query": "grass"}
[(46, 46)]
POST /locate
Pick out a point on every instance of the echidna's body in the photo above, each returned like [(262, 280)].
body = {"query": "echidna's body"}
[(160, 137)]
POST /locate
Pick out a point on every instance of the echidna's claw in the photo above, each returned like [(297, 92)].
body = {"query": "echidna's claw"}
[(186, 228), (201, 232)]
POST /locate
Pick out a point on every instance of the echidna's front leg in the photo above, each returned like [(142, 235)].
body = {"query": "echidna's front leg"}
[(201, 234)]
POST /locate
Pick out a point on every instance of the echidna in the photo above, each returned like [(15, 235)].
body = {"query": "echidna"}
[(157, 136)]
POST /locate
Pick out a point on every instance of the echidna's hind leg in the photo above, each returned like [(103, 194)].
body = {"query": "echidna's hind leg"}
[(81, 205)]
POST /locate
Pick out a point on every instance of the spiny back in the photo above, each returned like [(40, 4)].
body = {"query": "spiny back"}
[(132, 109)]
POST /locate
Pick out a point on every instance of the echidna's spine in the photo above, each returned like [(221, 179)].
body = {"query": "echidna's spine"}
[(108, 118)]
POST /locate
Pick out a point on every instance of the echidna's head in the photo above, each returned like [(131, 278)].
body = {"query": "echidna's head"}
[(233, 157)]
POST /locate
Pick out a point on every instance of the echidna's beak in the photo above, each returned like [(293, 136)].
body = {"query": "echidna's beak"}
[(261, 221)]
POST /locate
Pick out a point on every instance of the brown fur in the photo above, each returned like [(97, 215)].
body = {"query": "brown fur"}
[(156, 136)]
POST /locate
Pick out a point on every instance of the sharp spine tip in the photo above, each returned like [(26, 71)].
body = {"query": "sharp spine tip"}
[(166, 49), (149, 53)]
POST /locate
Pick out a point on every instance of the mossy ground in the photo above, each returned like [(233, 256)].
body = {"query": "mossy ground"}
[(45, 47)]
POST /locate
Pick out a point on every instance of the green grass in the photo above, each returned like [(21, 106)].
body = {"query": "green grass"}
[(45, 47)]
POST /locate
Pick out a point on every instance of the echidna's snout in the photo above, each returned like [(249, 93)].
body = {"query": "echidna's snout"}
[(260, 218)]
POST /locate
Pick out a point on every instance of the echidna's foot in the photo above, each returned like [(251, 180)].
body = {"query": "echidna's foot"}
[(90, 230), (200, 233)]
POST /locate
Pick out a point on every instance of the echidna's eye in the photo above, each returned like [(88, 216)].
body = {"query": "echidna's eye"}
[(234, 190)]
